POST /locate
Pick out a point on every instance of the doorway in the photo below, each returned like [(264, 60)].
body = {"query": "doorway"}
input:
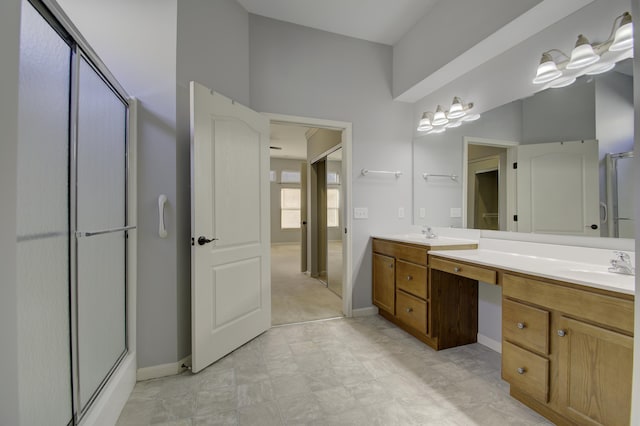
[(309, 260), (488, 198)]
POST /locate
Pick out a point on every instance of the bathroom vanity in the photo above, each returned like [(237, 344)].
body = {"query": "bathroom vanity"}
[(441, 315), (567, 322)]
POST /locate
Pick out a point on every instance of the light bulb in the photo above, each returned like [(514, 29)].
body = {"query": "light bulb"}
[(547, 70), (457, 109), (624, 35), (582, 55), (439, 118)]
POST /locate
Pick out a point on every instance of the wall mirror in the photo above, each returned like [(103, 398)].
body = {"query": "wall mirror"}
[(557, 162)]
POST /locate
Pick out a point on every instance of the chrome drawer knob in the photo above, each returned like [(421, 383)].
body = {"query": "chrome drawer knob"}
[(562, 333), (409, 310), (409, 277), (391, 265), (521, 370), (521, 325), (456, 269)]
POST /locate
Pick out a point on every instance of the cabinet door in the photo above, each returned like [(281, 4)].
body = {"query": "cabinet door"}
[(384, 282), (594, 373)]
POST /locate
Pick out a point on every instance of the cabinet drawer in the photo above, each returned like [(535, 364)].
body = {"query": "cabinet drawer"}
[(526, 326), (468, 271), (615, 312), (526, 371), (414, 254), (411, 311), (411, 278)]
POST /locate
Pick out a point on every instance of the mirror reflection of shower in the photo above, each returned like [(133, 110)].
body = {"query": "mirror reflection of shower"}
[(619, 208)]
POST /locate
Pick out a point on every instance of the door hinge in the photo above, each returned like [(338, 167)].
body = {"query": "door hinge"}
[(515, 217), (193, 243), (345, 230), (515, 165)]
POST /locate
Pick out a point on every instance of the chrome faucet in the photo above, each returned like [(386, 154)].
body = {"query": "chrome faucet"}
[(621, 264), (428, 233)]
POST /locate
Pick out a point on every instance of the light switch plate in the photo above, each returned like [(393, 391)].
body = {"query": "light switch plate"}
[(455, 212), (422, 213), (400, 212), (360, 213)]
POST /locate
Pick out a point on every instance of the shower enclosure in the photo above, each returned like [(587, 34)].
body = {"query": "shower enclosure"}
[(72, 222), (619, 209)]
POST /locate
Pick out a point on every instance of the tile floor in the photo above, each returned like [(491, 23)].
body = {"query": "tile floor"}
[(358, 371)]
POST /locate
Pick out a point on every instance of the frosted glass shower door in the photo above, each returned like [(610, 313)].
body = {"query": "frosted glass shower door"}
[(100, 223), (43, 224)]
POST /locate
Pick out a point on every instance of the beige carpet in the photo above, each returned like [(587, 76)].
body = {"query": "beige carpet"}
[(295, 297)]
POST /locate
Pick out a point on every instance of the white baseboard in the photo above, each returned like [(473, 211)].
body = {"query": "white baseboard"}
[(107, 407), (162, 370), (490, 343), (364, 312)]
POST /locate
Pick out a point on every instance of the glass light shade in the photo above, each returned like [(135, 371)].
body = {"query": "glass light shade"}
[(562, 82), (453, 124), (439, 118), (425, 122), (624, 37), (599, 68), (470, 117), (582, 55), (457, 109), (547, 70), (437, 130)]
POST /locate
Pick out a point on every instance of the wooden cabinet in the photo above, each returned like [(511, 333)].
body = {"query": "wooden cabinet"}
[(594, 373), (384, 282), (442, 314), (567, 351)]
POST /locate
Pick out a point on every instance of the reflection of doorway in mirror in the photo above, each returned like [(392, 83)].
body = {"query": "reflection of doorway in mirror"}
[(488, 184)]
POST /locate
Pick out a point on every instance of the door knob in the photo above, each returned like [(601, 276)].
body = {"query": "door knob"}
[(594, 226), (204, 240)]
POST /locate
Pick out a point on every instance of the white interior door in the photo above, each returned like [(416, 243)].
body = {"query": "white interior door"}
[(230, 282), (557, 188)]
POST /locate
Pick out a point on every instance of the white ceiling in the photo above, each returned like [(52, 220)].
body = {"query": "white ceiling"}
[(380, 21), (291, 140)]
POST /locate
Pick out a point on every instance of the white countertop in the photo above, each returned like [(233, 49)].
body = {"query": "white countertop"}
[(427, 242), (587, 274)]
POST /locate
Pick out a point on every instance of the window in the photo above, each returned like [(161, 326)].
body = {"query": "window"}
[(272, 175), (289, 176), (333, 207), (289, 208), (333, 178)]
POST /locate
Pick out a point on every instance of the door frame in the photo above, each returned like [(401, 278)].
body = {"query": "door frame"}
[(511, 147), (346, 183)]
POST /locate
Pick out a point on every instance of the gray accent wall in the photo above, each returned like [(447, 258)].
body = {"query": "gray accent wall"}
[(9, 46), (310, 73)]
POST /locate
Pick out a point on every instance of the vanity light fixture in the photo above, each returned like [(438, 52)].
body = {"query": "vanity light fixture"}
[(438, 122), (587, 58)]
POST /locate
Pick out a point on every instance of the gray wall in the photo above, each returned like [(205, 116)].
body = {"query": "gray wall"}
[(310, 73), (9, 46), (279, 235), (449, 29), (565, 114), (213, 50)]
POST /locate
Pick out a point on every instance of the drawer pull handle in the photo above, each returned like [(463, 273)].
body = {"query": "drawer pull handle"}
[(562, 333), (521, 325), (409, 310), (521, 370), (457, 269), (409, 277)]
